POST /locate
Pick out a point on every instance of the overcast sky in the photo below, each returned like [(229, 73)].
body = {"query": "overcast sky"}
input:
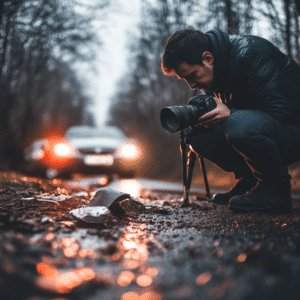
[(122, 21), (111, 65)]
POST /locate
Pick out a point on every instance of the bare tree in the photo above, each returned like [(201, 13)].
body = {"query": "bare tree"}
[(287, 14), (234, 17), (32, 34), (283, 16), (297, 3), (136, 109)]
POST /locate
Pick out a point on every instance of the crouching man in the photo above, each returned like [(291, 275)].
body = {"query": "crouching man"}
[(257, 119)]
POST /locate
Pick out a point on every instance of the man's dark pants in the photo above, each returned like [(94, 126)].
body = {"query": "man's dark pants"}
[(251, 141)]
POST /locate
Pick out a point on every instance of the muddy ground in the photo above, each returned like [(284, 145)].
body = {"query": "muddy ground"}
[(165, 252)]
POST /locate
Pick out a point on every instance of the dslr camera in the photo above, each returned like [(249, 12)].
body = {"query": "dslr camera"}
[(177, 118)]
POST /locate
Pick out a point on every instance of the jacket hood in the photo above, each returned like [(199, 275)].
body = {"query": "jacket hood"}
[(220, 44)]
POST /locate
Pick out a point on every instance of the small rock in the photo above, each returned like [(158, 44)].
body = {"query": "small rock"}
[(106, 197), (119, 203), (80, 194), (95, 214), (132, 206)]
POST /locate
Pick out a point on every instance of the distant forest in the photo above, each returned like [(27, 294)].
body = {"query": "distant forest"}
[(146, 90), (40, 40)]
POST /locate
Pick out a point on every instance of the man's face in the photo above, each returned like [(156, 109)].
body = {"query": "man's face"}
[(197, 76)]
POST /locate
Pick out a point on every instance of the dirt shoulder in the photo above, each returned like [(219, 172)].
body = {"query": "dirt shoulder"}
[(165, 252)]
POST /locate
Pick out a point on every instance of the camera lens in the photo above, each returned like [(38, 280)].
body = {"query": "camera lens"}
[(175, 118), (169, 119)]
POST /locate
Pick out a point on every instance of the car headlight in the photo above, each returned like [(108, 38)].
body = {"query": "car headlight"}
[(62, 150), (129, 151)]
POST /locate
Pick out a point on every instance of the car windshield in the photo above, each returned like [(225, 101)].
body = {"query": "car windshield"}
[(94, 132)]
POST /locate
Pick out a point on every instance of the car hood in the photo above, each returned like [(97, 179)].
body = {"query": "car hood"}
[(99, 143)]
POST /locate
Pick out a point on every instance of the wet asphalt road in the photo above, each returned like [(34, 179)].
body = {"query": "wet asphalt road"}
[(137, 186), (167, 252)]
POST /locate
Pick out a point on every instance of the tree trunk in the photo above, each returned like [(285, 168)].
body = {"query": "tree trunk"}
[(232, 19), (297, 36), (287, 13), (297, 2)]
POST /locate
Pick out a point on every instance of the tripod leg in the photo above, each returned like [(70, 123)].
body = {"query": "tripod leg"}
[(190, 164), (184, 164), (204, 174)]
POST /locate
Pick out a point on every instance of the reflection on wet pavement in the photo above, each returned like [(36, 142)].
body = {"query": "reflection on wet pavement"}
[(130, 186), (135, 256), (162, 252), (76, 256), (83, 182), (203, 278), (62, 282)]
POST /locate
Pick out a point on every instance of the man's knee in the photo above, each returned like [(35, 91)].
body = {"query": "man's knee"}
[(242, 126)]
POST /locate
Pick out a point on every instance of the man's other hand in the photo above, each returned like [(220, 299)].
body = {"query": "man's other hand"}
[(215, 117)]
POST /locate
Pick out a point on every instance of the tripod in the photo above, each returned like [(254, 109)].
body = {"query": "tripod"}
[(188, 161)]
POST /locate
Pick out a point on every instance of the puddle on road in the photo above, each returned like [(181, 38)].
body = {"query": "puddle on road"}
[(201, 249), (136, 268), (66, 257), (133, 242), (75, 261)]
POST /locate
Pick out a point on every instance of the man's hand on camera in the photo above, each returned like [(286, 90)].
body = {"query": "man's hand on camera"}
[(215, 117)]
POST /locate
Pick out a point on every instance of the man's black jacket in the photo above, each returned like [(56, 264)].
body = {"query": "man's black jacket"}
[(250, 72)]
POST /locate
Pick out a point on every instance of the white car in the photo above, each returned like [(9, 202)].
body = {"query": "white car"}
[(84, 149)]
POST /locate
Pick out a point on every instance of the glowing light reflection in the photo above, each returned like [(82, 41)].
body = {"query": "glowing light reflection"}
[(152, 272), (46, 270), (203, 278), (150, 296), (49, 237), (104, 180), (125, 278), (130, 296), (242, 257), (135, 250), (135, 254), (144, 280), (131, 264), (62, 282), (130, 186)]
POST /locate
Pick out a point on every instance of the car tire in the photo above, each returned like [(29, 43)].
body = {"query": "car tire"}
[(127, 175), (65, 175)]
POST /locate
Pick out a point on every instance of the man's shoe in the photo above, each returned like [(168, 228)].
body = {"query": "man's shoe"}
[(242, 186), (265, 197)]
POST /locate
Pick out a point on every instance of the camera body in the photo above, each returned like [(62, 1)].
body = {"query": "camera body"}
[(177, 118)]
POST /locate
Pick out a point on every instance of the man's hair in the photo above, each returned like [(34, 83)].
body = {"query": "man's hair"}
[(186, 45)]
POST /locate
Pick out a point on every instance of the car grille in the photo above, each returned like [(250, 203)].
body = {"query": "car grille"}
[(93, 151)]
